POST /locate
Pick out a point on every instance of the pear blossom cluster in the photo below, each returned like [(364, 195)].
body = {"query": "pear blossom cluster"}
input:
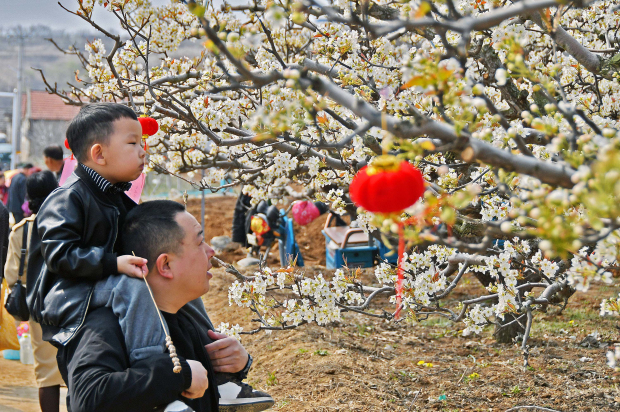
[(312, 299), (610, 307), (512, 120)]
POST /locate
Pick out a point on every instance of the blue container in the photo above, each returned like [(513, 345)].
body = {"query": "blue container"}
[(385, 253), (355, 257), (10, 354)]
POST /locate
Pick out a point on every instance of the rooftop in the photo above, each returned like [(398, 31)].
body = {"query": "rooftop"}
[(45, 106)]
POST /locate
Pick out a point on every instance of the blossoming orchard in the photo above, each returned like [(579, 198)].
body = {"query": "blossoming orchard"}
[(510, 110)]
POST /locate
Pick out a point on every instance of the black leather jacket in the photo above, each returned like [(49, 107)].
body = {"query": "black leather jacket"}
[(72, 246)]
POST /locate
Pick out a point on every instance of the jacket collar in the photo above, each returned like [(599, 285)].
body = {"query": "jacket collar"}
[(103, 184), (85, 178)]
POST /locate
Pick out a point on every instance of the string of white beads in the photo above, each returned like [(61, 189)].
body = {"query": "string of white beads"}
[(173, 354)]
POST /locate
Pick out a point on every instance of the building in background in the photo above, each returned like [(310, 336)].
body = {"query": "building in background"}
[(45, 118)]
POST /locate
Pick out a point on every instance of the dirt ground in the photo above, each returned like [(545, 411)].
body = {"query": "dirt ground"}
[(364, 364)]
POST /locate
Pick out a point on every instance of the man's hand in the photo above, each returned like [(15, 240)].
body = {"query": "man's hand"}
[(226, 353), (132, 266), (200, 380)]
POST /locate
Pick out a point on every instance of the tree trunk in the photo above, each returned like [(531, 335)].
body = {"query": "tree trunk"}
[(506, 334)]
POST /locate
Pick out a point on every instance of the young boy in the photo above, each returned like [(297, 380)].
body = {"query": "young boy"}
[(73, 264), (74, 241)]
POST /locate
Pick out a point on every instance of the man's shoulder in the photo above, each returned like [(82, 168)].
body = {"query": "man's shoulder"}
[(17, 181), (103, 316), (101, 323), (99, 333)]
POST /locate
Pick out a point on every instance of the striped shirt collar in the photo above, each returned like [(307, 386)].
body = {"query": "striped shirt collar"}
[(103, 184)]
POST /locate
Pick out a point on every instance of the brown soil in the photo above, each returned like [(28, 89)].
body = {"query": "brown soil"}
[(368, 365), (364, 364)]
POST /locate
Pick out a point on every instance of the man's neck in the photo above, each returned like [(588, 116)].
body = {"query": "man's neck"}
[(100, 170), (165, 299)]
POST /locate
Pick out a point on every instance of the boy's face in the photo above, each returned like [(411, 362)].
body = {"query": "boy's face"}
[(124, 153)]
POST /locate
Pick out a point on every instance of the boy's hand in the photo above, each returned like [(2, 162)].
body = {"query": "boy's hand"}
[(132, 266), (226, 353), (200, 380)]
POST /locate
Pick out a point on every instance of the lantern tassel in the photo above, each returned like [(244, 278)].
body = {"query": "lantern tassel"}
[(399, 283)]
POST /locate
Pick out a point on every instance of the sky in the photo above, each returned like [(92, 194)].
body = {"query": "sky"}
[(48, 12)]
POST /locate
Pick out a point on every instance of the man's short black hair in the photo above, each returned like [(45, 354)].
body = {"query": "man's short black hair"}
[(53, 152), (27, 165), (94, 124), (151, 229)]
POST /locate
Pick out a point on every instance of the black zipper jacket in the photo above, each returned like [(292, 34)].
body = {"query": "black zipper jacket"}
[(95, 366), (72, 247)]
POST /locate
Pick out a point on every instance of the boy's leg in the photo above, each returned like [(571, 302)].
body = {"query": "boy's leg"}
[(131, 302)]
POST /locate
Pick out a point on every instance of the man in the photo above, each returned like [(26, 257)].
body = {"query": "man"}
[(53, 157), (95, 363), (17, 191)]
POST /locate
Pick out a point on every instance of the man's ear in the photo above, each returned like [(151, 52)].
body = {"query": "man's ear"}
[(96, 153), (163, 266)]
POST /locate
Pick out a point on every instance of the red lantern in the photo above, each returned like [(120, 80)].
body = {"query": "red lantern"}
[(389, 185), (67, 144), (149, 128), (149, 125)]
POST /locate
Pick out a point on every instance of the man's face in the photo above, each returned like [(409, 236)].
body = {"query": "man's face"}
[(53, 164), (48, 163), (124, 152), (192, 263), (29, 171)]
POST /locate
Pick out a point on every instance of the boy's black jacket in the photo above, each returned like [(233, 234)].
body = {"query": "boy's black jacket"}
[(71, 247)]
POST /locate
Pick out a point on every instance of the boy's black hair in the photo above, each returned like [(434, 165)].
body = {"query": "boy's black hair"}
[(38, 186), (151, 229), (27, 166), (53, 152), (94, 124)]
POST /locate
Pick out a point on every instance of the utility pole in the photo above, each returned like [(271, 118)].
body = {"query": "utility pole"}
[(17, 105), (14, 123)]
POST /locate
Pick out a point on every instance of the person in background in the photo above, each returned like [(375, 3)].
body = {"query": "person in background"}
[(17, 192), (4, 191), (38, 187), (53, 157), (5, 229)]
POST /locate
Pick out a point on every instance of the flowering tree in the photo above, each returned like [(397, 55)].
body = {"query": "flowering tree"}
[(510, 110)]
